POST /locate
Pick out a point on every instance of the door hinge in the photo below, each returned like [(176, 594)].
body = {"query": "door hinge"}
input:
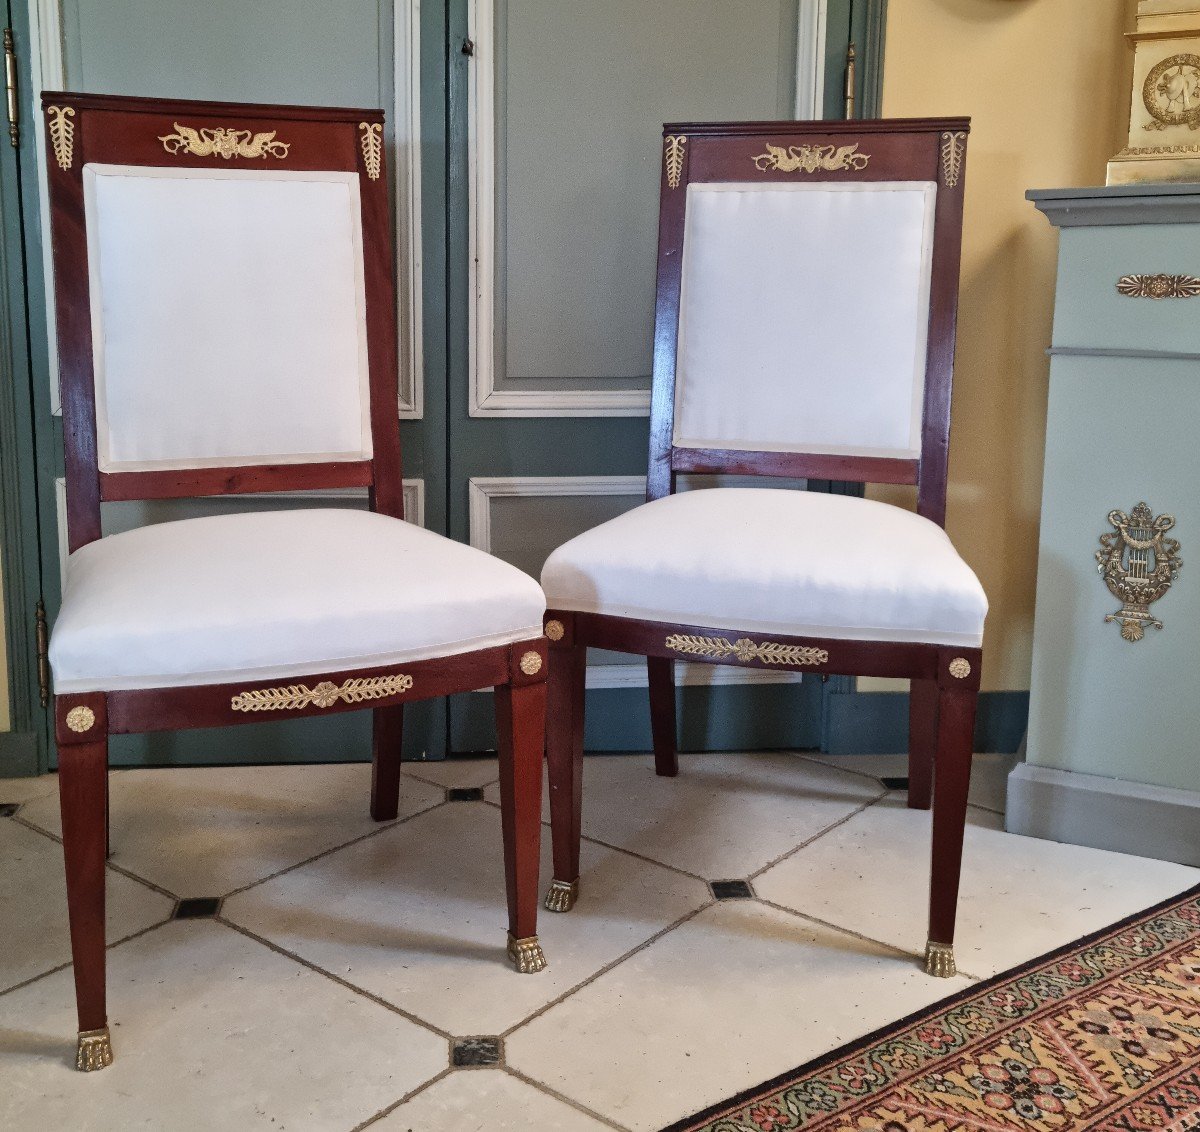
[(10, 89), (851, 61), (43, 654)]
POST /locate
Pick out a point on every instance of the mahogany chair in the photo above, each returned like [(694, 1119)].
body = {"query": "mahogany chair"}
[(226, 323), (804, 327)]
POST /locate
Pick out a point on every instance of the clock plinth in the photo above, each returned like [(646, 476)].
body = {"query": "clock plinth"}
[(1164, 120)]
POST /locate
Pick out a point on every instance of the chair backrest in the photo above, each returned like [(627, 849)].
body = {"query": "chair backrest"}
[(807, 298), (225, 299)]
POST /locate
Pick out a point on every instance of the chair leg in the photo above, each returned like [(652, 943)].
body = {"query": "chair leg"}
[(83, 789), (564, 750), (952, 779), (386, 739), (922, 742), (661, 671), (521, 737)]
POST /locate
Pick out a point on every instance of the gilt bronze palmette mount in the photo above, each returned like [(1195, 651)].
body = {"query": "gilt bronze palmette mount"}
[(1138, 563)]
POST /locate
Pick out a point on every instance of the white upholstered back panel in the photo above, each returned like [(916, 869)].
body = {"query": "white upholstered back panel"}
[(804, 317), (228, 317)]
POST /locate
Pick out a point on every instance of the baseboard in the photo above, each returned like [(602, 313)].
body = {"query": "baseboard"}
[(18, 754), (721, 717), (876, 723), (1104, 813)]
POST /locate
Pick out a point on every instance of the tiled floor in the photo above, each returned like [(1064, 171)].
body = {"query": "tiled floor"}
[(347, 959)]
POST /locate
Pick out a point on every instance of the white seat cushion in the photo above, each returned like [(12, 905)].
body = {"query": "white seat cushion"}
[(276, 594), (795, 563)]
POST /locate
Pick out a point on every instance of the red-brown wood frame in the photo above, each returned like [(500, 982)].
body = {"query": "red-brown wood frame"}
[(945, 678), (127, 131)]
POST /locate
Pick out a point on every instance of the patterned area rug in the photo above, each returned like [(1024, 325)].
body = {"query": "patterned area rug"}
[(1102, 1034)]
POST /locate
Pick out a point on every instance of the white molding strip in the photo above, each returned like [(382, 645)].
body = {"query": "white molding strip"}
[(487, 398), (406, 32), (810, 59), (48, 72), (483, 489), (413, 491)]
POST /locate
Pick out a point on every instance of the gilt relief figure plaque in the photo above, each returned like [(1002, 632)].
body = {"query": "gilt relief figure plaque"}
[(1164, 120)]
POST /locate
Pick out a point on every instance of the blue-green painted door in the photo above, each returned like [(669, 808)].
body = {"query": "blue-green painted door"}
[(354, 52), (555, 119)]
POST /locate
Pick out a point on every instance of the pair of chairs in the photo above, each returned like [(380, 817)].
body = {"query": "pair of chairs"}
[(226, 321)]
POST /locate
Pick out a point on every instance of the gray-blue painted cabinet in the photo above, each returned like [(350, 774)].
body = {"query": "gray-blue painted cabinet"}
[(1113, 753)]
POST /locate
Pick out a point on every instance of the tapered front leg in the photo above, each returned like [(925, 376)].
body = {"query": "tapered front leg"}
[(386, 741), (952, 780), (83, 797), (521, 734), (661, 672), (922, 742), (564, 751)]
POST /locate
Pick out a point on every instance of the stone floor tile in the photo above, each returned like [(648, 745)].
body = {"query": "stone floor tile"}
[(1020, 896), (485, 1101), (724, 817), (989, 773), (210, 1030), (33, 905), (417, 916), (206, 831), (736, 995), (460, 773), (22, 790)]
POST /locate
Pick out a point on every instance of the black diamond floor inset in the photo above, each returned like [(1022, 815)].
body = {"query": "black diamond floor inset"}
[(465, 794), (732, 889), (895, 783), (197, 908), (7, 809), (467, 1052)]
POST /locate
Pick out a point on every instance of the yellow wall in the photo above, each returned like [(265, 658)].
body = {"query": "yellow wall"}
[(1046, 83)]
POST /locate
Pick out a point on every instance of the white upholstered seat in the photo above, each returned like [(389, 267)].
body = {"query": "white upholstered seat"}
[(795, 563), (278, 594)]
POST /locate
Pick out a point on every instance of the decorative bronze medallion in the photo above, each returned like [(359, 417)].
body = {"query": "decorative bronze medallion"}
[(555, 630), (1171, 93), (81, 719), (531, 663), (1138, 564), (960, 668)]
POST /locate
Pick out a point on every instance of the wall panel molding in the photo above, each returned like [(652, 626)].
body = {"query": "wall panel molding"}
[(488, 396)]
